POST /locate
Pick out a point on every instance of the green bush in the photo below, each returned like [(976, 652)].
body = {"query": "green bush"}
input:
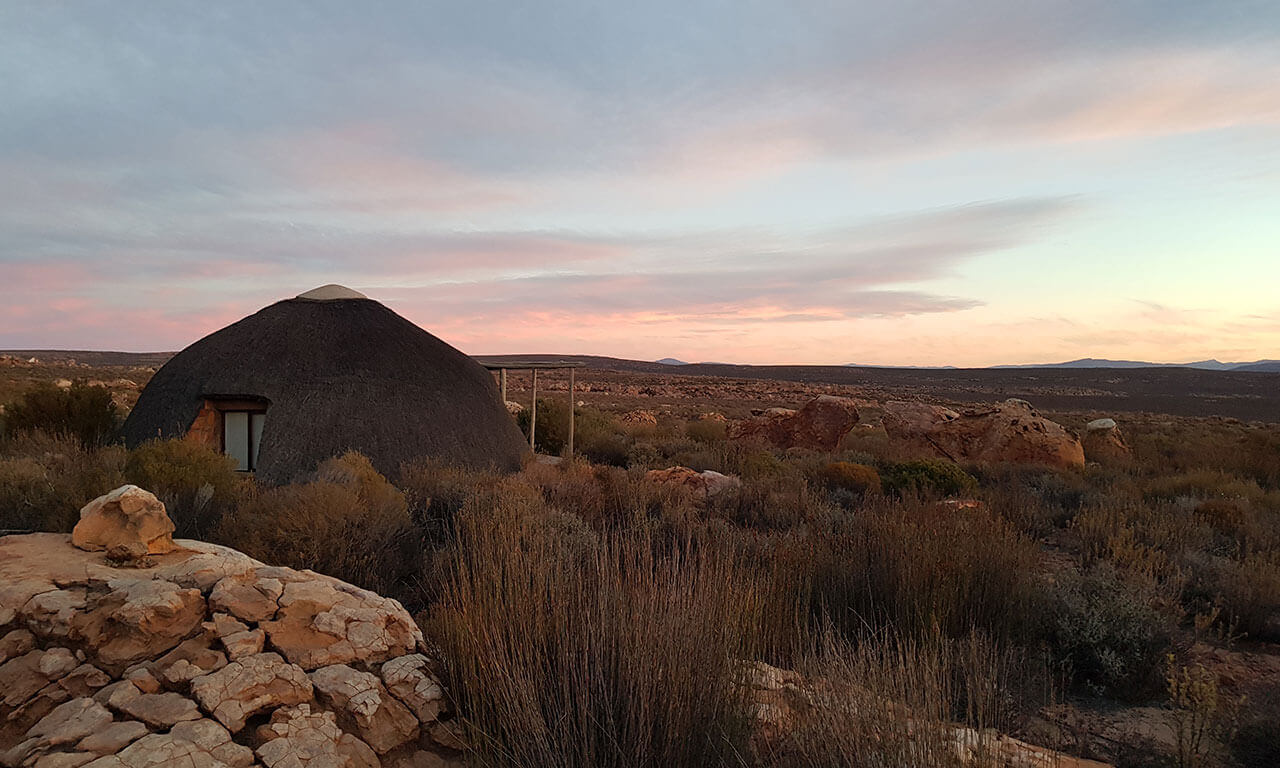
[(594, 432), (930, 477), (197, 484), (858, 479), (1107, 634), (84, 412)]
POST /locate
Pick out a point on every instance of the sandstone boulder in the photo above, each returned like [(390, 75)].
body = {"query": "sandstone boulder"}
[(703, 484), (640, 418), (1104, 442), (819, 425), (1010, 431), (128, 518)]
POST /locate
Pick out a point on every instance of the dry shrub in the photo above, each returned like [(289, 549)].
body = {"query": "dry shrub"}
[(891, 701), (571, 648), (706, 430), (197, 484), (597, 435), (1245, 592), (608, 496), (46, 480), (846, 476), (1107, 632), (912, 566), (435, 492), (1203, 484), (349, 523)]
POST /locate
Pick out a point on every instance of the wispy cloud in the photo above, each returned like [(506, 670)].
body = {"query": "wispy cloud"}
[(486, 165)]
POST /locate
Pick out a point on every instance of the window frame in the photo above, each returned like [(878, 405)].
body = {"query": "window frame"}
[(249, 412)]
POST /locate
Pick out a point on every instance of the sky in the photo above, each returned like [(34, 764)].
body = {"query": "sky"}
[(895, 183)]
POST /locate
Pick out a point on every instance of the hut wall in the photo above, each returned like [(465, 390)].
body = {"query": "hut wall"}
[(206, 428)]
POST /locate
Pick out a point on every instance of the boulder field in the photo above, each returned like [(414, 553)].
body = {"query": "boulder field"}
[(197, 655)]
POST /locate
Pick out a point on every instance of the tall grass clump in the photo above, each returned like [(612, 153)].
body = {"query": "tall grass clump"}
[(912, 566), (888, 700), (576, 649)]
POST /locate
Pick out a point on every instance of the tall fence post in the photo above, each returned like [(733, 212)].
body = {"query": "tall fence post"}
[(571, 405), (533, 411)]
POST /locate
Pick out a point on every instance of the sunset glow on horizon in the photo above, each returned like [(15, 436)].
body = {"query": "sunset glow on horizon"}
[(745, 182)]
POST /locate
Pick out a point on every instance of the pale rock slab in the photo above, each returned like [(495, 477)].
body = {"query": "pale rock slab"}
[(113, 737), (298, 738), (363, 702), (409, 679), (159, 710), (250, 685), (324, 621), (247, 597), (214, 739), (160, 750)]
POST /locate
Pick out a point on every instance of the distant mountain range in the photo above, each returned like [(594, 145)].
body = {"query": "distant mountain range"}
[(1259, 366)]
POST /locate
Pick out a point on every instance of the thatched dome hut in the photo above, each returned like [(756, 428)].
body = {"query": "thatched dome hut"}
[(330, 370)]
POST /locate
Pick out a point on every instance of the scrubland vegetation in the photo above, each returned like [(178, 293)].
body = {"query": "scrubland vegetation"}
[(589, 617)]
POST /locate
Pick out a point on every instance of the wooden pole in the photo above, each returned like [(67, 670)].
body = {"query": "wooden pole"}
[(571, 413), (502, 376), (533, 411)]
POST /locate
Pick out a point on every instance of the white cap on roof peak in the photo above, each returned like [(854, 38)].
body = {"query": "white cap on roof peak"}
[(331, 292)]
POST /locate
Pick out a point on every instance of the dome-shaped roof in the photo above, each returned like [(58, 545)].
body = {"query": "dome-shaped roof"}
[(336, 373)]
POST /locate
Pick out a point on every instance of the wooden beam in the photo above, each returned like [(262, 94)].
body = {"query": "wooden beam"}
[(571, 404), (533, 413), (502, 376)]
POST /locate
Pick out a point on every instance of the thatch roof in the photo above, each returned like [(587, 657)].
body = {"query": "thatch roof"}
[(338, 373)]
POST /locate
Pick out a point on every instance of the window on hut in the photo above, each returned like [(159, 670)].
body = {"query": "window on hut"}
[(241, 436)]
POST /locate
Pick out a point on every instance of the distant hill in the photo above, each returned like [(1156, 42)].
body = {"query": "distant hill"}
[(670, 361), (91, 357), (1263, 366)]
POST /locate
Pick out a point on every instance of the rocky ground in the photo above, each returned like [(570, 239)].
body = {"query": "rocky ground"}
[(129, 649)]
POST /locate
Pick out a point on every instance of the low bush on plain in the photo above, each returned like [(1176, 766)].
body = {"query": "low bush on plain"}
[(846, 476), (930, 477), (86, 413), (1107, 634)]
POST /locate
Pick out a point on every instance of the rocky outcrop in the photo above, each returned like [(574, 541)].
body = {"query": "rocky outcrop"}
[(1104, 442), (703, 484), (1010, 432), (639, 418), (176, 663), (819, 425), (128, 520)]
